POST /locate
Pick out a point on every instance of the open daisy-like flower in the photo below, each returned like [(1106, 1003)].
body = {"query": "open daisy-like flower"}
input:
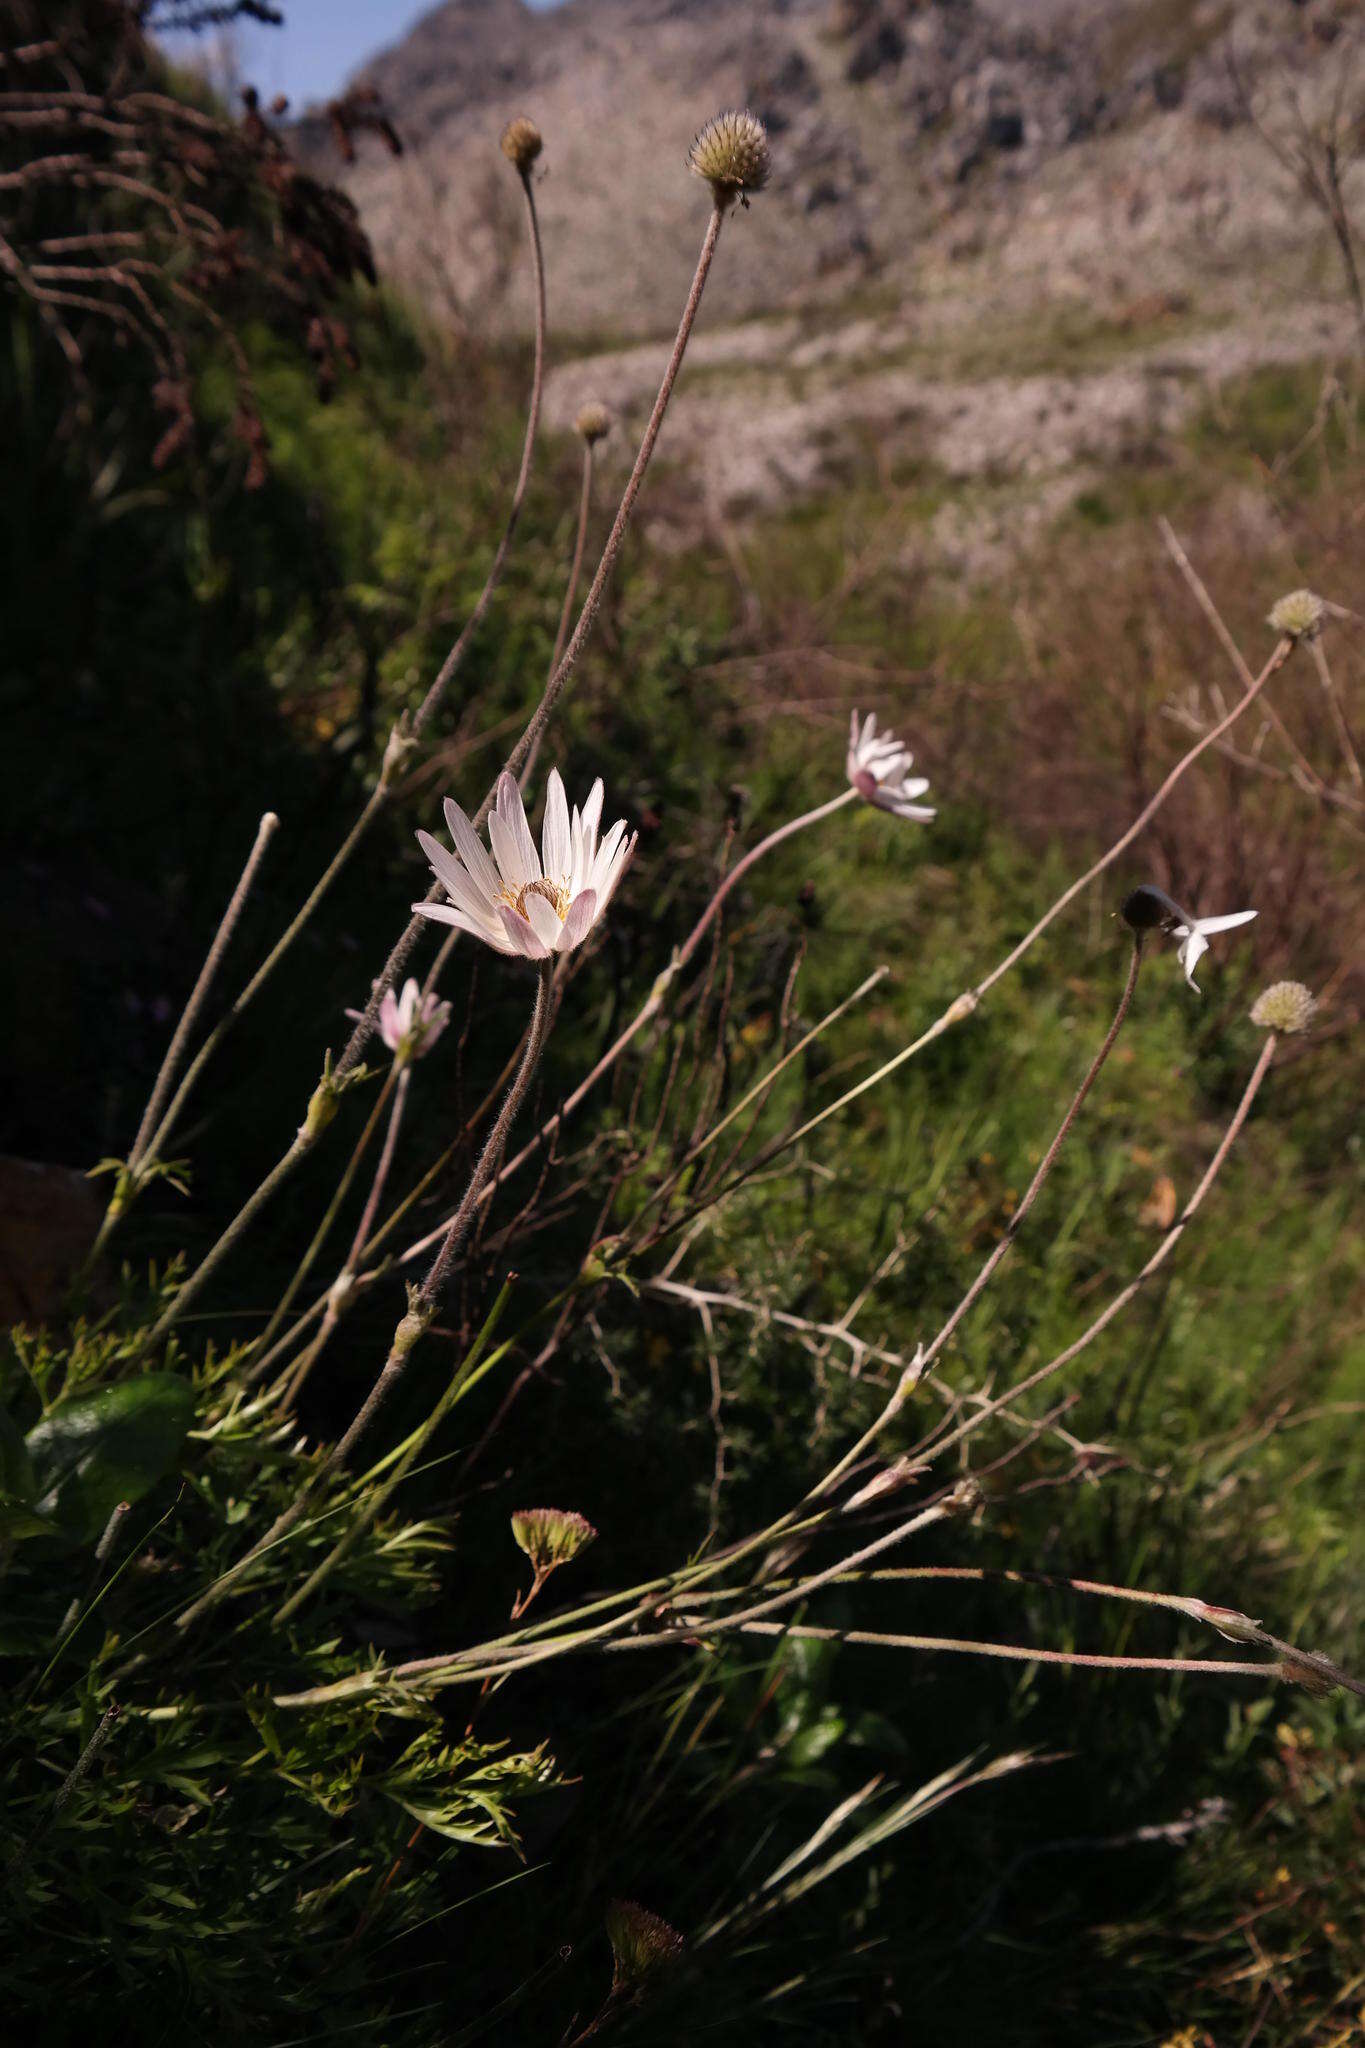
[(879, 769), (1150, 909), (520, 901)]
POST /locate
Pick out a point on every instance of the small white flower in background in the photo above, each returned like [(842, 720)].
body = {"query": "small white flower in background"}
[(879, 769), (1151, 909), (409, 1024), (523, 902)]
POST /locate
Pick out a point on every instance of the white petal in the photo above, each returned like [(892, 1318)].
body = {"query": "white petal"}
[(470, 848), (507, 854), (578, 857), (407, 1003), (592, 816), (453, 878), (554, 834), (512, 811), (606, 853), (1224, 924), (520, 936), (1191, 952), (606, 887), (579, 922)]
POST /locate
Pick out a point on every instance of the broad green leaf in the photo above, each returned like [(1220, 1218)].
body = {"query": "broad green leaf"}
[(92, 1452)]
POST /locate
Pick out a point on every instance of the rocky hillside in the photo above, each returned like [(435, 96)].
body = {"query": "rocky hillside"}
[(1010, 238)]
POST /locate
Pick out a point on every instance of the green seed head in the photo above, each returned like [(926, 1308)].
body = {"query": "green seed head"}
[(1284, 1006), (551, 1536), (1298, 616), (640, 1942)]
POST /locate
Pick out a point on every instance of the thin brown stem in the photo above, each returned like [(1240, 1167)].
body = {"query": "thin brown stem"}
[(421, 1309), (555, 685)]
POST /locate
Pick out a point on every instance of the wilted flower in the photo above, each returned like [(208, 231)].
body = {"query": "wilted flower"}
[(522, 142), (593, 421), (1298, 616), (551, 1536), (640, 1943), (1284, 1006), (879, 769), (409, 1024), (732, 154), (525, 904), (1148, 909)]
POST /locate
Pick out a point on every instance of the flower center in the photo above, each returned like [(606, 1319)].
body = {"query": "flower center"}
[(556, 894)]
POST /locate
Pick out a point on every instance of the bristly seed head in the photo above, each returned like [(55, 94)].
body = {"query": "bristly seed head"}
[(593, 421), (551, 1536), (522, 143), (1298, 616), (1284, 1006), (640, 1943), (732, 154)]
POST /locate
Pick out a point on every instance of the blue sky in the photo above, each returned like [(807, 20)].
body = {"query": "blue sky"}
[(321, 43)]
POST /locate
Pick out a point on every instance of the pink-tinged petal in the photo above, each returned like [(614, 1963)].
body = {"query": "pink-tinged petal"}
[(407, 1003), (579, 921), (520, 937), (390, 1026), (447, 870), (512, 811), (446, 913), (543, 920), (554, 832), (470, 848)]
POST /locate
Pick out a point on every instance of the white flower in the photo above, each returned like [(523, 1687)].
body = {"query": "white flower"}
[(409, 1024), (879, 769), (1150, 909), (520, 901), (1194, 938)]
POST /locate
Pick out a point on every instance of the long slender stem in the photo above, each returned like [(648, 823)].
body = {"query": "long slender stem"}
[(963, 1005), (1045, 1166), (1343, 730), (265, 832), (555, 686), (329, 1215), (332, 1313), (83, 1762), (303, 1142), (1017, 1653), (422, 1306), (431, 703), (378, 1497), (1120, 1301), (175, 1051), (570, 593), (652, 1004)]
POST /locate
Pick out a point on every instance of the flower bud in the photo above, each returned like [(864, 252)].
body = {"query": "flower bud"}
[(522, 143), (732, 154), (593, 422), (1284, 1006), (640, 1943)]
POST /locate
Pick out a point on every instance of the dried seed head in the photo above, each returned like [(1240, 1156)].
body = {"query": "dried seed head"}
[(1284, 1006), (1298, 616), (640, 1943), (522, 143), (732, 154), (551, 1536), (593, 422)]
